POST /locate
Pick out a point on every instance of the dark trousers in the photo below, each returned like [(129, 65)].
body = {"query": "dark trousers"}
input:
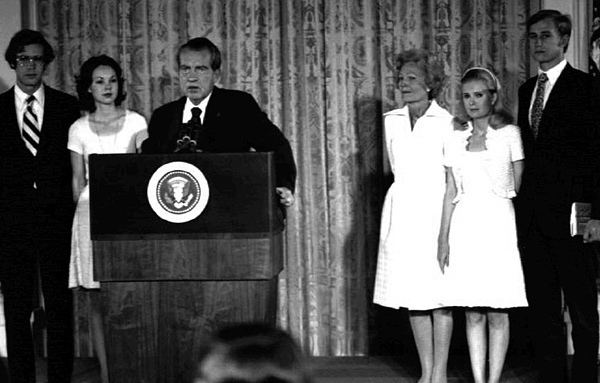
[(21, 260), (551, 265)]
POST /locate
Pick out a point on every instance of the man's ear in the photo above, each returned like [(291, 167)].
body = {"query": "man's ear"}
[(564, 40)]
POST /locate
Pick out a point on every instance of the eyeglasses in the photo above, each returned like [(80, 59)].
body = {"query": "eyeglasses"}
[(24, 60)]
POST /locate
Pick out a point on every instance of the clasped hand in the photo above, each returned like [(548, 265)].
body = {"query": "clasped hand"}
[(186, 145)]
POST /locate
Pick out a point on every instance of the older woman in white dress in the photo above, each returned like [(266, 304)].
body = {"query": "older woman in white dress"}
[(407, 272), (478, 240), (105, 128)]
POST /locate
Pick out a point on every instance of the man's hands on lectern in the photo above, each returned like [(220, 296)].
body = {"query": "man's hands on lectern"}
[(286, 197)]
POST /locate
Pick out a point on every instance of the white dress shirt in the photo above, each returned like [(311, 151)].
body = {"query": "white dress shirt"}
[(553, 74), (187, 109)]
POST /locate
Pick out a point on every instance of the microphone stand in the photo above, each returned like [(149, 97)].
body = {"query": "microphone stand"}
[(189, 135)]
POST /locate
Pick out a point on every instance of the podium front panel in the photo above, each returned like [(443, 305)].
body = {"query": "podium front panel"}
[(242, 201), (165, 286)]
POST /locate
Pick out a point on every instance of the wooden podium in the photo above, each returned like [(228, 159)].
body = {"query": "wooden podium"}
[(165, 286)]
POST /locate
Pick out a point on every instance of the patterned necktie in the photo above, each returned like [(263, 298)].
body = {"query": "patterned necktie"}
[(31, 130), (196, 112), (538, 104)]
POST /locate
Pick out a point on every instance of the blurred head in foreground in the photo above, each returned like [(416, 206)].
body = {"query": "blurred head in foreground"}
[(252, 353)]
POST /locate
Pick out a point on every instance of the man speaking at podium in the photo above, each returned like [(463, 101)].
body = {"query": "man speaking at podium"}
[(212, 119)]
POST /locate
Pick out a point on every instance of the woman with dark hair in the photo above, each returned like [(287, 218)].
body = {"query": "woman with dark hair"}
[(478, 240), (407, 272), (106, 127)]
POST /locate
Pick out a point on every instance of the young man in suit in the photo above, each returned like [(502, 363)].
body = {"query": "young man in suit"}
[(559, 117), (36, 209), (231, 120)]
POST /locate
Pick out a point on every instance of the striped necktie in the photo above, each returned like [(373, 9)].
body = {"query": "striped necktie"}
[(31, 129), (538, 104)]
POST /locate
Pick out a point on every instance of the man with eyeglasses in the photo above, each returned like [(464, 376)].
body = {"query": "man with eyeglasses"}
[(36, 209), (231, 121)]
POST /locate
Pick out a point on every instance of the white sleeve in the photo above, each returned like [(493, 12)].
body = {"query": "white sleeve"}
[(139, 129), (75, 142), (449, 146), (388, 137), (515, 143)]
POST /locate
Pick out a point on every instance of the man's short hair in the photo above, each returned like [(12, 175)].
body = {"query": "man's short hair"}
[(198, 44), (252, 353), (561, 21), (23, 38)]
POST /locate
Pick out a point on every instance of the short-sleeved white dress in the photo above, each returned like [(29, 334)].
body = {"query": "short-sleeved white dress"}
[(407, 273), (84, 140), (484, 263)]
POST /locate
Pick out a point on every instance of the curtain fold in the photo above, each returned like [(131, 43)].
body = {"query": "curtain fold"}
[(323, 70)]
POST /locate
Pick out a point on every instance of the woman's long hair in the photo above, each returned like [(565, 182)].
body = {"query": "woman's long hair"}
[(84, 81)]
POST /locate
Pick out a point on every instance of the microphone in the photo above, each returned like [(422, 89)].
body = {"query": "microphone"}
[(189, 134)]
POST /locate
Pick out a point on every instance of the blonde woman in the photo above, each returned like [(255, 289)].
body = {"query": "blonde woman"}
[(478, 241), (407, 273)]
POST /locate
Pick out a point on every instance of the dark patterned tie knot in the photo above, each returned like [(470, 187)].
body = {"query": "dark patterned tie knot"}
[(538, 104), (30, 99), (196, 112)]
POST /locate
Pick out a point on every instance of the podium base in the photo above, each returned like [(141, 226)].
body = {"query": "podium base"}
[(155, 330)]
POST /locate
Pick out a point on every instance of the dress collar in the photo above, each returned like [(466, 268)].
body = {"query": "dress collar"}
[(434, 110), (491, 132)]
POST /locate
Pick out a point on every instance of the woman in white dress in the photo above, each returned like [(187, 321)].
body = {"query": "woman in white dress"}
[(478, 241), (105, 127), (407, 271)]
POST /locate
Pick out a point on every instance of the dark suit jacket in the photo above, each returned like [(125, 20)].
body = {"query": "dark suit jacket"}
[(233, 123), (45, 212), (560, 165)]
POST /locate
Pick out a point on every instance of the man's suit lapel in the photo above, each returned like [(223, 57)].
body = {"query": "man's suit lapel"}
[(50, 118), (524, 103), (178, 114), (528, 91), (175, 123), (13, 133), (560, 90), (10, 118), (213, 109)]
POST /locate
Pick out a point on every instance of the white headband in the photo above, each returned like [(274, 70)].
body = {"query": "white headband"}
[(492, 75)]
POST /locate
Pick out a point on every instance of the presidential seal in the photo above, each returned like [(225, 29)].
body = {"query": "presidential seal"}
[(178, 192)]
